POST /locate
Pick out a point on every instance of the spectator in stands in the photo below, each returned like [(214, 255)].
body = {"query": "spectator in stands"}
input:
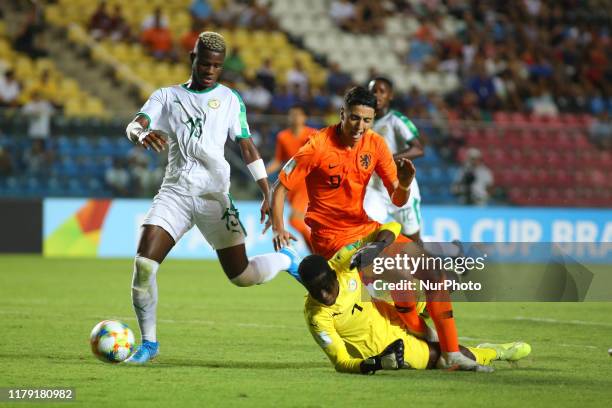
[(6, 163), (119, 29), (117, 179), (37, 159), (256, 16), (234, 66), (100, 22), (297, 79), (474, 182), (45, 87), (39, 112), (419, 52), (266, 75), (337, 81), (229, 13), (600, 130), (320, 101), (482, 85), (189, 39), (158, 39), (155, 19), (542, 102), (10, 89), (344, 15), (261, 18), (370, 16), (468, 107), (257, 97), (201, 11), (283, 99), (27, 39)]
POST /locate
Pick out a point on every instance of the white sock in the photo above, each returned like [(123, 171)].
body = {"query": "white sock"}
[(144, 296), (262, 268)]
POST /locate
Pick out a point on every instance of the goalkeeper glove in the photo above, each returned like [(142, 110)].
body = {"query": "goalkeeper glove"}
[(392, 358), (364, 257)]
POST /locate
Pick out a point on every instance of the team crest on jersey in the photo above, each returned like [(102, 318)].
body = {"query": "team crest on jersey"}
[(214, 103), (383, 130), (365, 160)]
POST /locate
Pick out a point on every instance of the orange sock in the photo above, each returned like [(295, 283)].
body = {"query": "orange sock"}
[(405, 305), (301, 227), (441, 312)]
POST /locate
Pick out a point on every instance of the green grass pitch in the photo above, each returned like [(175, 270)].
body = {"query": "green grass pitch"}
[(228, 346)]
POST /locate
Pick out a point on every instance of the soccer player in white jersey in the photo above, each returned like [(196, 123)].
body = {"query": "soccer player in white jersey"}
[(194, 120), (402, 138)]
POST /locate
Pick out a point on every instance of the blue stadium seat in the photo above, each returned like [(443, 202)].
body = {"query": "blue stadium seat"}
[(65, 146), (84, 147), (68, 167), (105, 147), (54, 187)]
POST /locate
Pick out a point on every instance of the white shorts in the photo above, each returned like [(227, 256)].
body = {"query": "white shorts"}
[(379, 207), (214, 214)]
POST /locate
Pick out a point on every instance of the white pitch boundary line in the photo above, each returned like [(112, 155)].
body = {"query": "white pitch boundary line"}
[(556, 321), (278, 326)]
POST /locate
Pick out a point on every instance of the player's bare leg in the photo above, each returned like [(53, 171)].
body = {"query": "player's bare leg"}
[(259, 269), (154, 245)]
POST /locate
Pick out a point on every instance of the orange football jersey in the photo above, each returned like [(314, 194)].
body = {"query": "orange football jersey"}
[(336, 179)]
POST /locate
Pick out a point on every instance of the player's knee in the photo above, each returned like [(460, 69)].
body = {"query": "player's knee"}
[(248, 277), (144, 271)]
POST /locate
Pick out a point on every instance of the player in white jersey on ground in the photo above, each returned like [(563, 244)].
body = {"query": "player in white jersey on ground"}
[(194, 120), (402, 137)]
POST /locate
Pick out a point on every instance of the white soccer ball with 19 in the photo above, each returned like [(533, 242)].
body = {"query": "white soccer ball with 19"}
[(112, 341)]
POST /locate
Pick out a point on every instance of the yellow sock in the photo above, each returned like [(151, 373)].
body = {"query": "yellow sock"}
[(484, 356)]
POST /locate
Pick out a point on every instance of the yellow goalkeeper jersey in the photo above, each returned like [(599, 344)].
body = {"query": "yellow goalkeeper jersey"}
[(355, 328)]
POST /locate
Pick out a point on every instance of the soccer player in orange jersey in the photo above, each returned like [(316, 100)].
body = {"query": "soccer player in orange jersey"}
[(337, 163), (288, 142)]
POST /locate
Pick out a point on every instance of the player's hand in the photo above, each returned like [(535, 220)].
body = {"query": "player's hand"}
[(392, 358), (405, 171), (282, 238), (364, 257), (266, 211), (153, 140)]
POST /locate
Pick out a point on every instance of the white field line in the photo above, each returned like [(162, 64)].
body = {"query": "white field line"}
[(278, 326), (556, 321)]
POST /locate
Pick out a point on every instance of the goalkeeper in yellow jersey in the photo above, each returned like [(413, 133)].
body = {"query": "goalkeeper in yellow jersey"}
[(362, 335)]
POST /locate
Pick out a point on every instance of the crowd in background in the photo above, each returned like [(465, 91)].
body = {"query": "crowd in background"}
[(533, 56)]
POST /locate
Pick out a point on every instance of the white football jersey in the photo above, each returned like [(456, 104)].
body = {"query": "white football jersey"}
[(197, 125), (398, 131)]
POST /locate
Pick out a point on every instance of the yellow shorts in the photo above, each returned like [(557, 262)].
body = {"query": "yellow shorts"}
[(416, 352)]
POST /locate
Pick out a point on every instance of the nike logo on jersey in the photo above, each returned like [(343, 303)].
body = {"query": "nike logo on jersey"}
[(331, 166), (334, 314)]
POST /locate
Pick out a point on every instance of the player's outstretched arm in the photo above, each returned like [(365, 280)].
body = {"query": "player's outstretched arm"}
[(281, 236), (138, 132), (256, 166), (401, 188)]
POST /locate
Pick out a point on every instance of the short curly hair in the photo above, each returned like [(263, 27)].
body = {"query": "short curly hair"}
[(212, 41)]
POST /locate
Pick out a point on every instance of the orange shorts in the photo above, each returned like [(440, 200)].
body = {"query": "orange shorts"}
[(327, 241)]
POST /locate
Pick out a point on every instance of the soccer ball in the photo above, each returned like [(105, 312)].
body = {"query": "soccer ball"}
[(112, 341)]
